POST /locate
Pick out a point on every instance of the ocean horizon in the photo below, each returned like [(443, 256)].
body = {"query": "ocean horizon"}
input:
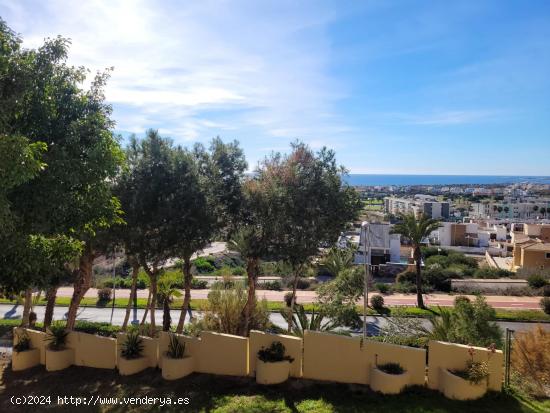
[(402, 180)]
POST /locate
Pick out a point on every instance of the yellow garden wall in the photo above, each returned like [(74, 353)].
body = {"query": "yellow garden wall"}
[(37, 340), (334, 358), (95, 351), (222, 354), (150, 348), (293, 346), (443, 355), (413, 360)]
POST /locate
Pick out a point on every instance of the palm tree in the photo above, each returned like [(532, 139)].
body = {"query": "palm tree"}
[(416, 229), (166, 292), (339, 259)]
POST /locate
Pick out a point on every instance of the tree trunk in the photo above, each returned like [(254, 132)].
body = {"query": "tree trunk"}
[(166, 319), (146, 313), (418, 262), (293, 301), (51, 294), (187, 278), (152, 325), (81, 284), (133, 293), (27, 308), (246, 314)]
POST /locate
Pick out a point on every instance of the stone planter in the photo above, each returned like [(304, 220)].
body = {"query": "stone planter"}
[(25, 359), (127, 367), (455, 387), (272, 373), (173, 369), (59, 359), (388, 383)]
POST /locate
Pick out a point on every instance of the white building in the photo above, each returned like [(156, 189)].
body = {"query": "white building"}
[(384, 247), (420, 204)]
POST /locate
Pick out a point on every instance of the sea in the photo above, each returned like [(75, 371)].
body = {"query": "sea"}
[(407, 180)]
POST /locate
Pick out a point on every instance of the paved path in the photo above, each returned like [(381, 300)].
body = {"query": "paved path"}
[(444, 300)]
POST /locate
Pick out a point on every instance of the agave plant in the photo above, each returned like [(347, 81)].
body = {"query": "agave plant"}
[(176, 349), (23, 342), (301, 322), (56, 336), (132, 347)]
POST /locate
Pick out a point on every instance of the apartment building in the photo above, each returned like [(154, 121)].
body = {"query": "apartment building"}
[(511, 209), (384, 247), (420, 204)]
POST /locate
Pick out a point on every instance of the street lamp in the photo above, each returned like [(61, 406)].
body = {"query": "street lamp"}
[(366, 261)]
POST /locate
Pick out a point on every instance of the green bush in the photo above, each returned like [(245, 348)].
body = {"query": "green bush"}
[(132, 347), (104, 295), (270, 285), (490, 272), (406, 277), (546, 291), (274, 353), (303, 284), (377, 302), (536, 281), (383, 288), (198, 284), (238, 271), (288, 299), (100, 328), (545, 304), (427, 252), (204, 265), (56, 336)]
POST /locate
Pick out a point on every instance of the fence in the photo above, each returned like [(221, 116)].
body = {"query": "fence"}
[(318, 356)]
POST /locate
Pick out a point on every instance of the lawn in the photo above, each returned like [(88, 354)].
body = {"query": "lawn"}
[(208, 393)]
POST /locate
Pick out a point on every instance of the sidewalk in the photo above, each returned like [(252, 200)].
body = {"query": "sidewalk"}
[(444, 300)]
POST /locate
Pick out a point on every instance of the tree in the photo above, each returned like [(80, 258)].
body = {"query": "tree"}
[(339, 259), (166, 293), (147, 191), (313, 204), (415, 230)]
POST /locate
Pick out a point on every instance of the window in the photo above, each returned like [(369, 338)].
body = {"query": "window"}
[(548, 255)]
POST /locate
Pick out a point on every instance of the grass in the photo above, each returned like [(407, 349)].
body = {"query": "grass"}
[(501, 314), (223, 394)]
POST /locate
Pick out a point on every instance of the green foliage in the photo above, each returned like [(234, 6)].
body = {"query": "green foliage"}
[(104, 295), (338, 259), (132, 347), (490, 272), (274, 353), (271, 285), (199, 284), (546, 291), (23, 342), (545, 304), (103, 329), (300, 321), (475, 372), (56, 336), (391, 368), (383, 288), (238, 271), (377, 302), (176, 349), (203, 265), (537, 281)]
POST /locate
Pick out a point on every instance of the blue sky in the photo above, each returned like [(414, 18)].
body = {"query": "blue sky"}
[(433, 87)]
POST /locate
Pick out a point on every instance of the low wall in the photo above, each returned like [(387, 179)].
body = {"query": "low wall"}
[(293, 346), (488, 284), (222, 354), (94, 351), (451, 356)]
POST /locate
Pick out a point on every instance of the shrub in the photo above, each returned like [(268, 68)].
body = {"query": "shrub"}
[(238, 271), (132, 348), (104, 295), (23, 342), (546, 291), (489, 272), (203, 265), (475, 372), (406, 277), (531, 360), (176, 349), (274, 353), (383, 288), (288, 299), (377, 302), (271, 285), (461, 299), (103, 329), (56, 336), (545, 304), (536, 281), (198, 284), (391, 368), (302, 284)]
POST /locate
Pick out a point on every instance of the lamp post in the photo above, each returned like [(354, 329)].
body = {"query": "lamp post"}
[(366, 261)]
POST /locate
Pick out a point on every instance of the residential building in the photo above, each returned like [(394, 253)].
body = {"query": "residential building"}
[(420, 204), (512, 208), (384, 247), (531, 254)]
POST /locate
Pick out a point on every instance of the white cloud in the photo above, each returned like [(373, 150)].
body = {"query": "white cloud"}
[(176, 62)]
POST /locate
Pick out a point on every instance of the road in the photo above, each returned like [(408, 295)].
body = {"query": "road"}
[(104, 315), (304, 297)]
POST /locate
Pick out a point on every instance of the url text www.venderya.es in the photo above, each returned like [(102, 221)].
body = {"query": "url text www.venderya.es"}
[(98, 400)]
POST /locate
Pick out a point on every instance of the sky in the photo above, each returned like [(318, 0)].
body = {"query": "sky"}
[(394, 87)]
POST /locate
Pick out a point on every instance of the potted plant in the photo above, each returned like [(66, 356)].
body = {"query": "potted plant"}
[(131, 358), (388, 378), (468, 383), (23, 356), (58, 356), (175, 364), (273, 366)]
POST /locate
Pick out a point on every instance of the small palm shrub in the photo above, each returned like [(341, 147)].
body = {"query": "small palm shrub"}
[(274, 353), (23, 342), (132, 348), (377, 302), (391, 368), (56, 337), (175, 348), (104, 295), (536, 281), (545, 304)]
